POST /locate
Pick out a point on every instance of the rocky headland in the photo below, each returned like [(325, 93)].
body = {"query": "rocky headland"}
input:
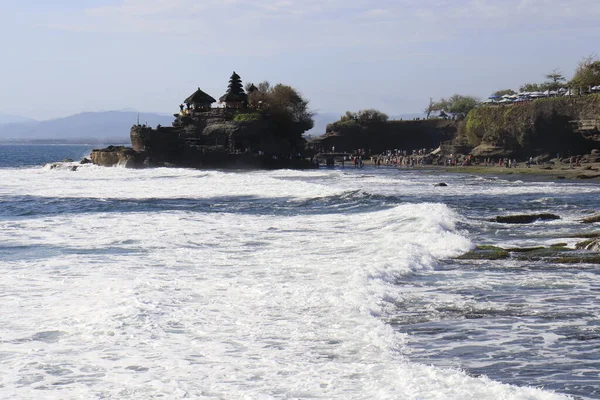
[(260, 127)]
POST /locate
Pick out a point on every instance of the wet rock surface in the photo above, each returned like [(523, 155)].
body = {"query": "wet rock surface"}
[(113, 156), (524, 218)]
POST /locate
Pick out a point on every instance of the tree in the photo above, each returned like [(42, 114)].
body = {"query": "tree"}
[(358, 122), (502, 92), (430, 108), (287, 107), (533, 87), (555, 80), (587, 73), (555, 76), (372, 117), (458, 105)]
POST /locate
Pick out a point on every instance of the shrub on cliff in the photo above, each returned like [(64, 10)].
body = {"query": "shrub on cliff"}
[(543, 125), (247, 117), (352, 122), (587, 73)]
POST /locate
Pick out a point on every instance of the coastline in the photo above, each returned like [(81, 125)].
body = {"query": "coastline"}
[(590, 171), (586, 172)]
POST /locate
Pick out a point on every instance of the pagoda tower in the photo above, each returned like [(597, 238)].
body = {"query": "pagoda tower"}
[(235, 97)]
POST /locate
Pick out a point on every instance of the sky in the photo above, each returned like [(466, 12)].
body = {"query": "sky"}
[(61, 57)]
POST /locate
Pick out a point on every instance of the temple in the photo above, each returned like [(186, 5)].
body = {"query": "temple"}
[(237, 131), (195, 108)]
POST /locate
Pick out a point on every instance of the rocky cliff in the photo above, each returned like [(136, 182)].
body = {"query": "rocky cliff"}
[(216, 138), (536, 127), (405, 135)]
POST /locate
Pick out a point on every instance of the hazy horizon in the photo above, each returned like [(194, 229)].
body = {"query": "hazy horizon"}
[(91, 55)]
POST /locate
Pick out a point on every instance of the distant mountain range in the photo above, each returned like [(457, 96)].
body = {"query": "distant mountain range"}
[(111, 126), (13, 119), (83, 127)]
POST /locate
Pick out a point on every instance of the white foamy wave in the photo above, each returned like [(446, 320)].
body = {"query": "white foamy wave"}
[(184, 304)]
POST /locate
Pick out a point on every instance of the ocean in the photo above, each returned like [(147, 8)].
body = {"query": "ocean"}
[(322, 284)]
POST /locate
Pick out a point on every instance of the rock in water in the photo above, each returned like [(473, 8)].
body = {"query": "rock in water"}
[(592, 244), (118, 156), (524, 218), (441, 184), (592, 219)]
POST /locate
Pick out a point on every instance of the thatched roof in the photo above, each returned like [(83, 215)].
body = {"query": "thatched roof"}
[(199, 97)]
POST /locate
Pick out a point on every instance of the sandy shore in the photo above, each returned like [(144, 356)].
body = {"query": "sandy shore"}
[(557, 171), (589, 171)]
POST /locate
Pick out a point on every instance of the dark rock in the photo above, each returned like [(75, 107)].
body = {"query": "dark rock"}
[(73, 168), (591, 244), (441, 184), (485, 253), (524, 218), (592, 219), (591, 176), (118, 156), (85, 160), (577, 259), (67, 160)]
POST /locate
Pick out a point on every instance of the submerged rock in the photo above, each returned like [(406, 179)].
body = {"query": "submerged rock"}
[(441, 184), (85, 160), (592, 244), (524, 218), (557, 254), (592, 219)]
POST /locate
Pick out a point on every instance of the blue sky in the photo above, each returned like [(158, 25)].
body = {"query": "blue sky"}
[(61, 57)]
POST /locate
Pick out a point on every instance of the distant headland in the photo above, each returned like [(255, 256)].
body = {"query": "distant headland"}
[(262, 126)]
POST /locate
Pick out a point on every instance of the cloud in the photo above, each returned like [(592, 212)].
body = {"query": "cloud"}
[(264, 26)]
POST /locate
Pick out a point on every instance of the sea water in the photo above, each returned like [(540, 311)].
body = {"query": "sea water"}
[(326, 284)]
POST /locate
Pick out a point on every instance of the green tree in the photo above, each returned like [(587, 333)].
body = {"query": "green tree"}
[(372, 117), (358, 122), (555, 77), (285, 105), (587, 73), (458, 105), (533, 87), (502, 92), (555, 80)]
